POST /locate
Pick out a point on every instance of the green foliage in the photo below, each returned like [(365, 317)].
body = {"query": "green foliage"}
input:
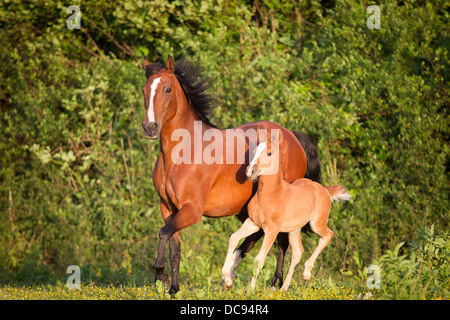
[(433, 253), (75, 169)]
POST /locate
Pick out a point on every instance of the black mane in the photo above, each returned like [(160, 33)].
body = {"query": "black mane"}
[(195, 89)]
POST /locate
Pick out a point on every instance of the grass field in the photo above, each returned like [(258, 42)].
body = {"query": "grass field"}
[(317, 290)]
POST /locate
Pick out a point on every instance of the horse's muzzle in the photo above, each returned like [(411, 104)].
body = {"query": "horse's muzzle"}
[(252, 172), (151, 130)]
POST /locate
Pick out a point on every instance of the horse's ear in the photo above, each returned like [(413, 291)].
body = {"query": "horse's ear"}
[(170, 66), (146, 63)]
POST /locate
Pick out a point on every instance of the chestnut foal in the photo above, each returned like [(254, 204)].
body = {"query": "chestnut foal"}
[(280, 206)]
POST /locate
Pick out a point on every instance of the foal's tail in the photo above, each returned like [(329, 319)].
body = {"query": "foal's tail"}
[(338, 193)]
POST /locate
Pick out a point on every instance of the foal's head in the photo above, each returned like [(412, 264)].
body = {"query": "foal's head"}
[(266, 160), (158, 93)]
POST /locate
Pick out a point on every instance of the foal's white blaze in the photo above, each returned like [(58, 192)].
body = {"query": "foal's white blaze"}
[(150, 112), (261, 147)]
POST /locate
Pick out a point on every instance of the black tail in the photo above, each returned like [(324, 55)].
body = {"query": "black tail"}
[(312, 156), (312, 165)]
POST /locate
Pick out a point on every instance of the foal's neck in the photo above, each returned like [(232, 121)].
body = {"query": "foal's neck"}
[(271, 182)]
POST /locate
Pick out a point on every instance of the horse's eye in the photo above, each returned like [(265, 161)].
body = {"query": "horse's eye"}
[(269, 154), (168, 90)]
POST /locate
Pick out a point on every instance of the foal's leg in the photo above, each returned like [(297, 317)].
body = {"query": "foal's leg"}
[(249, 243), (245, 246), (325, 235), (245, 230), (297, 249), (243, 249), (269, 239)]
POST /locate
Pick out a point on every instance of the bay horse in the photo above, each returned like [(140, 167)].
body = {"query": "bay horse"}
[(302, 201), (176, 100)]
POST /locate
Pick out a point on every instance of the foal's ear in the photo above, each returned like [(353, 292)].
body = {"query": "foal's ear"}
[(170, 66), (261, 134)]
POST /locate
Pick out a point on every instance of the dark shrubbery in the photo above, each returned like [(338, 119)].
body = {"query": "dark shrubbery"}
[(75, 169)]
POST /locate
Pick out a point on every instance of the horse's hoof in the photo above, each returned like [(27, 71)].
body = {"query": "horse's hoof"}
[(165, 279), (277, 282), (227, 287), (173, 289)]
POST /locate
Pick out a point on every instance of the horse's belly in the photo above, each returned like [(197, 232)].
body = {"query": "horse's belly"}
[(227, 200)]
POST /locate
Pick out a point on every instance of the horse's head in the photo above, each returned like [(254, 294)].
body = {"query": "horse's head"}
[(267, 154), (158, 94)]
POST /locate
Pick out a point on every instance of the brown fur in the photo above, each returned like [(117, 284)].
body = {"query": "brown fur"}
[(189, 191), (280, 206)]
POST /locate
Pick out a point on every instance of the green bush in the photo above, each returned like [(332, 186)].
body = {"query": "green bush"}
[(75, 169)]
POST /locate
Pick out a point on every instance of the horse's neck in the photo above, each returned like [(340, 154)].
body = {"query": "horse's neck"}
[(184, 119)]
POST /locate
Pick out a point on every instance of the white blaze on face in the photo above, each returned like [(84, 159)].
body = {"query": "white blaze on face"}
[(261, 147), (150, 112)]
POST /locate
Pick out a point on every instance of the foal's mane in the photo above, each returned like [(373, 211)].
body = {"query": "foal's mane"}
[(194, 88)]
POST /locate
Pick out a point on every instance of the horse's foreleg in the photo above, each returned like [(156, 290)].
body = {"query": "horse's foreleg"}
[(175, 257), (160, 260), (185, 217), (164, 236)]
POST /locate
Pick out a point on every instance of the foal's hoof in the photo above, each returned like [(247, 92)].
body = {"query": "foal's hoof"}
[(227, 287)]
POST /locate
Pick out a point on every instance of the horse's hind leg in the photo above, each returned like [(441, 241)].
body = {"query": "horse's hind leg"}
[(283, 244), (325, 235), (297, 250)]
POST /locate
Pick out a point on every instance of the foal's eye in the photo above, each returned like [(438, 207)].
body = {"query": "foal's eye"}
[(168, 90), (269, 154)]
